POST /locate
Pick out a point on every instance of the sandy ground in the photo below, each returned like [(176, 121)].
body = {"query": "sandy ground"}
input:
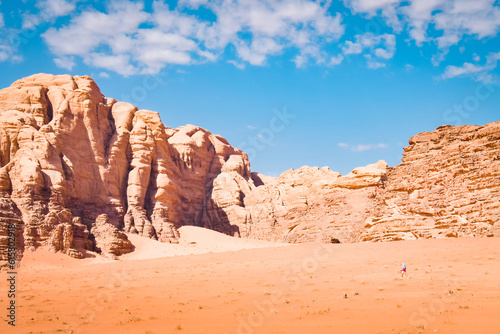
[(343, 288)]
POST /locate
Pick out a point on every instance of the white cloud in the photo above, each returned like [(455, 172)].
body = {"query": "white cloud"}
[(381, 46), (447, 40), (115, 30), (257, 52), (104, 75), (439, 57), (117, 63), (478, 72), (65, 62), (236, 64), (158, 48), (300, 61), (419, 14), (492, 59), (195, 4), (92, 29), (443, 22), (49, 10), (466, 68), (56, 8), (370, 6), (336, 60), (9, 40), (382, 53), (479, 17), (352, 48), (367, 147), (363, 147), (373, 64), (257, 29), (274, 25), (454, 18), (476, 57), (208, 56), (310, 52), (5, 52)]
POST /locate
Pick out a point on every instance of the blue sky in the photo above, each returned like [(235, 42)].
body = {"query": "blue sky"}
[(293, 83)]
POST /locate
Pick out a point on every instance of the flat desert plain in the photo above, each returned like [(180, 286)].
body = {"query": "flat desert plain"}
[(227, 285)]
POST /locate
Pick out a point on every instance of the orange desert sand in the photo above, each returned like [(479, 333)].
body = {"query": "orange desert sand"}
[(219, 284)]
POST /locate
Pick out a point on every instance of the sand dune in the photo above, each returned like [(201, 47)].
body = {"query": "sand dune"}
[(193, 240)]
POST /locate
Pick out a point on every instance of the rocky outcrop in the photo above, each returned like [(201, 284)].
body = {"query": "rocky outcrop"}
[(109, 241), (78, 169)]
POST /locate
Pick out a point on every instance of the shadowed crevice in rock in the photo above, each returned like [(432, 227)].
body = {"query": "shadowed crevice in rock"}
[(50, 110)]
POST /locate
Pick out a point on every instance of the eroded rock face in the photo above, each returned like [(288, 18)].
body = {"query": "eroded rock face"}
[(312, 204), (11, 233), (109, 240), (448, 185), (77, 169), (68, 155)]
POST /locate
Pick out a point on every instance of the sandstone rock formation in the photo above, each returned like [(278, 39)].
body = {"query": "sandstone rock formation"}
[(108, 239), (69, 155), (448, 185), (312, 204), (77, 169)]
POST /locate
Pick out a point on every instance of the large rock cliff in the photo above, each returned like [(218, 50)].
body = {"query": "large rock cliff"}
[(73, 162), (448, 185), (78, 169)]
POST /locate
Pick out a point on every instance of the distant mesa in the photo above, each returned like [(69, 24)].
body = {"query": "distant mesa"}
[(78, 170)]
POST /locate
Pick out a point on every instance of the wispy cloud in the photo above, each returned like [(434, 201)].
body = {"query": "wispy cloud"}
[(65, 62), (376, 48), (237, 64), (362, 147), (49, 10), (336, 60), (372, 63), (478, 72)]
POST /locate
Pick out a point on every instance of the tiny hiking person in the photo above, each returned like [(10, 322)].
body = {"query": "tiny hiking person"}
[(403, 270)]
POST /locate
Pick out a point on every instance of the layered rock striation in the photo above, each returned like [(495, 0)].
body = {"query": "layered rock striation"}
[(78, 169), (448, 185)]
